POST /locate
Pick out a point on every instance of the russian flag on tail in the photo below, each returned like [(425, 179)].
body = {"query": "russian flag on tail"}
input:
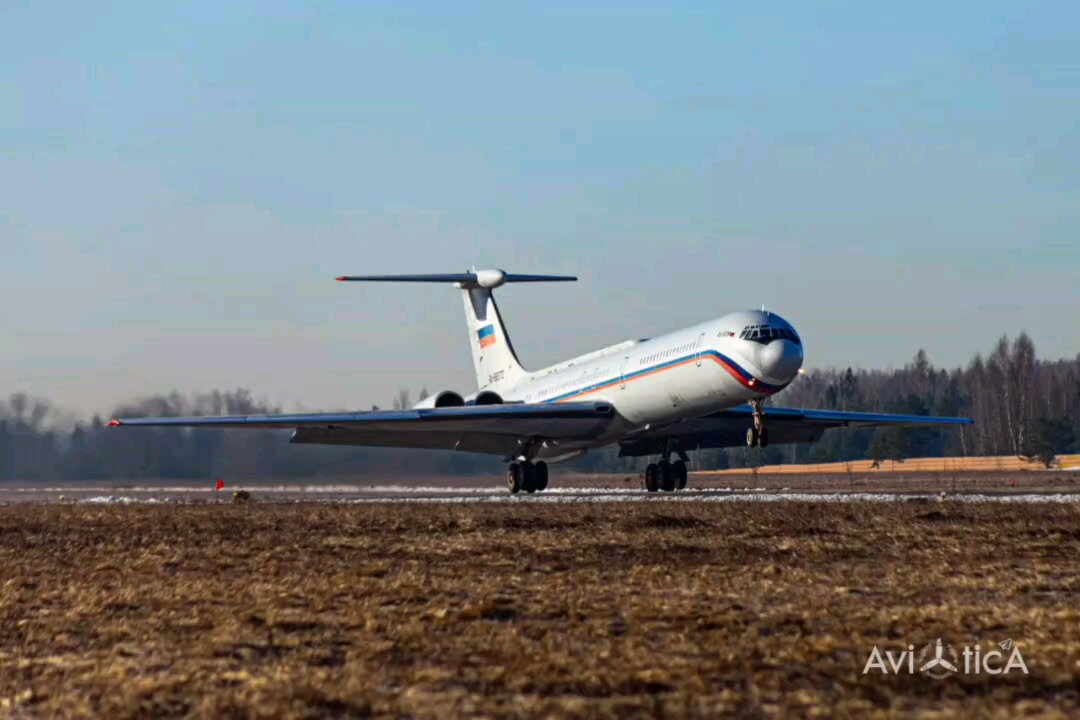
[(486, 335)]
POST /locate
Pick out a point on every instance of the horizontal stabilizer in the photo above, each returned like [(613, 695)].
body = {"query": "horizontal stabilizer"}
[(473, 279)]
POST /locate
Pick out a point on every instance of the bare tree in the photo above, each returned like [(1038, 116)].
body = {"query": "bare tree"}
[(1023, 367)]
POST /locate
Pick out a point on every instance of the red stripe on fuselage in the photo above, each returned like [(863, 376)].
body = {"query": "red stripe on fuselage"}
[(731, 371)]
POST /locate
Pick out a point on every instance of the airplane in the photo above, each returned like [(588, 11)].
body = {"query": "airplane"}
[(703, 386)]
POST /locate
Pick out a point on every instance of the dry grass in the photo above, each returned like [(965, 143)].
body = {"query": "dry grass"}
[(604, 610)]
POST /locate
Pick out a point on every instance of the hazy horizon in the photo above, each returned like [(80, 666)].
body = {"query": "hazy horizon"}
[(180, 186)]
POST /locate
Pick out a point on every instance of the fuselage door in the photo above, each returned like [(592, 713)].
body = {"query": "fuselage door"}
[(700, 348), (622, 372)]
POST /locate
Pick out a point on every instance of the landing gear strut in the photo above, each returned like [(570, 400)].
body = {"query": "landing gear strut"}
[(757, 435), (527, 477)]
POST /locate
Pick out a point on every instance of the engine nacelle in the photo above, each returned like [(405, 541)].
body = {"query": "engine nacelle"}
[(488, 398), (447, 398)]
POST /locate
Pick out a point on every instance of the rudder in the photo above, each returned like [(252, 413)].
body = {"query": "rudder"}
[(494, 359)]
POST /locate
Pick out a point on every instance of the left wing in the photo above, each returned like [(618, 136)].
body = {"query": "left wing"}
[(727, 428), (495, 429)]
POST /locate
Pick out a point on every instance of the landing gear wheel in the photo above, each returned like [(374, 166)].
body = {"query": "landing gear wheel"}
[(652, 482), (529, 473), (680, 474), (541, 470), (513, 478), (763, 438), (751, 437), (667, 476)]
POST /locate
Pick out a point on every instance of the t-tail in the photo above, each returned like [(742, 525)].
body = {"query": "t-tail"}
[(494, 359)]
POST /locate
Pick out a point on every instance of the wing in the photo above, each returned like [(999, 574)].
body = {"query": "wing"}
[(494, 429), (839, 418), (727, 428)]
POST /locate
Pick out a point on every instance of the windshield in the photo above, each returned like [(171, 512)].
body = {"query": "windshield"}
[(765, 334)]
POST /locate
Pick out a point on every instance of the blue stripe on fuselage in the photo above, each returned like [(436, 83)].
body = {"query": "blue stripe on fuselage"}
[(759, 385)]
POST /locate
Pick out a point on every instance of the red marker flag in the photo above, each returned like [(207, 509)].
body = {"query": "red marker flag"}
[(220, 484)]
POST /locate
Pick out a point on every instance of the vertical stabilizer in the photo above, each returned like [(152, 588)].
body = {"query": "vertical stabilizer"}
[(494, 359)]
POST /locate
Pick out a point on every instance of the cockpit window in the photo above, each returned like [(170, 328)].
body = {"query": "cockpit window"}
[(764, 334)]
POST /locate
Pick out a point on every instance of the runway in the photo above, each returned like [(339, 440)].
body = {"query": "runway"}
[(434, 495)]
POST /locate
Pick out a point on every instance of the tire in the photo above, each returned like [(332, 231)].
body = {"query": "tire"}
[(751, 437), (680, 475), (667, 476), (541, 476), (652, 483), (513, 478), (528, 475), (763, 438)]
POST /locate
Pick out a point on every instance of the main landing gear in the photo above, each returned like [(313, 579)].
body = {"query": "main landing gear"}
[(527, 477), (666, 476), (757, 435)]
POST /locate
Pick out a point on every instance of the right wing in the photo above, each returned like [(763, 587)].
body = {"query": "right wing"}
[(493, 429)]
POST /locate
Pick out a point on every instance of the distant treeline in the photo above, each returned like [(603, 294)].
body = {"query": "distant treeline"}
[(1021, 406)]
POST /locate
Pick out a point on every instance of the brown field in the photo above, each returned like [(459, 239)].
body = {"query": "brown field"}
[(609, 610)]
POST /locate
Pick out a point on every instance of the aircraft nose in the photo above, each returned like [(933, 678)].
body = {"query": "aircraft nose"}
[(781, 360)]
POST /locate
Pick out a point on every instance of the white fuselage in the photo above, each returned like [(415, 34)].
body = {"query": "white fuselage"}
[(685, 374)]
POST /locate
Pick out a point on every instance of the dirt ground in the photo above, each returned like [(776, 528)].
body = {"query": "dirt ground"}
[(608, 610)]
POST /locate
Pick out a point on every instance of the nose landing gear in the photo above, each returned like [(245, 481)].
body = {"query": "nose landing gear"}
[(757, 435)]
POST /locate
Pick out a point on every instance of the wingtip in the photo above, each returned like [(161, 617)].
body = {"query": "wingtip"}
[(114, 423), (340, 278)]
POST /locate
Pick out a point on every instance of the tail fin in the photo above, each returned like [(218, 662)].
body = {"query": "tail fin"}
[(494, 359)]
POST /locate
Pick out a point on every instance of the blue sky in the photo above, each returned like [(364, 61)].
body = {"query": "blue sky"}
[(179, 186)]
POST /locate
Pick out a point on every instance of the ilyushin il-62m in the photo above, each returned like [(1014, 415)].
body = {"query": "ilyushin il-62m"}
[(700, 387)]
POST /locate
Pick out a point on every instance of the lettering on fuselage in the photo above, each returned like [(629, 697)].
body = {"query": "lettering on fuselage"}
[(495, 377)]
